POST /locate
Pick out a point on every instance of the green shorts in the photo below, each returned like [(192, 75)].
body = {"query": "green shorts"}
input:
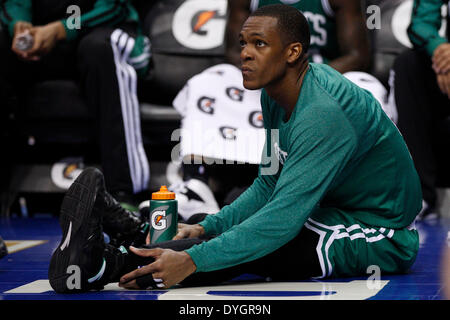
[(347, 247)]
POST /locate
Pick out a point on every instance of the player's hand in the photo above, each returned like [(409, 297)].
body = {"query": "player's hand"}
[(19, 28), (170, 267), (189, 231), (443, 81), (45, 39), (441, 58), (184, 231)]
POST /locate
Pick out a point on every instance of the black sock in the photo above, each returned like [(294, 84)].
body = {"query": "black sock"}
[(195, 171), (115, 261), (120, 262)]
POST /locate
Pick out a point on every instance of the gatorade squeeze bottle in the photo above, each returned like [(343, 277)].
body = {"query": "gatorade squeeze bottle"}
[(163, 216)]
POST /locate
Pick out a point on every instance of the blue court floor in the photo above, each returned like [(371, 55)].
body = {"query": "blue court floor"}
[(23, 273)]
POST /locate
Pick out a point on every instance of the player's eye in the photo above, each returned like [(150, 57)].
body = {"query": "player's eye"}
[(260, 43), (242, 43)]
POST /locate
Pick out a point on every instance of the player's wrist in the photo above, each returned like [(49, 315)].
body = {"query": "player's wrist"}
[(189, 264), (200, 230), (21, 26)]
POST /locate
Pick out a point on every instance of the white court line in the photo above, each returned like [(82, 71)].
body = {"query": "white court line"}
[(352, 290), (17, 245)]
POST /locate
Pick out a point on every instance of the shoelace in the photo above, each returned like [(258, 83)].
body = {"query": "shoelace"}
[(95, 239)]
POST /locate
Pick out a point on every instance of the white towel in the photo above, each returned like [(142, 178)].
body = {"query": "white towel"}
[(221, 119), (373, 85)]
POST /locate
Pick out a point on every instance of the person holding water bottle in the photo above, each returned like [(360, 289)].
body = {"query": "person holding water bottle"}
[(337, 190)]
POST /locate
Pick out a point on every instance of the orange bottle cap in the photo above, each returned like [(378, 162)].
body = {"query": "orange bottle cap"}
[(163, 194)]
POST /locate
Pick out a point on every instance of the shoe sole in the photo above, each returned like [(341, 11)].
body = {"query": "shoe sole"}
[(76, 209)]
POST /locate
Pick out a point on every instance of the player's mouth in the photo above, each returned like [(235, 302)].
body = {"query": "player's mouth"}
[(246, 70)]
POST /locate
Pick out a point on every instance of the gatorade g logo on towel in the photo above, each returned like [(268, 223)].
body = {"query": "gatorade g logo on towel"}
[(158, 220), (256, 119), (206, 104), (228, 133), (235, 94), (200, 24)]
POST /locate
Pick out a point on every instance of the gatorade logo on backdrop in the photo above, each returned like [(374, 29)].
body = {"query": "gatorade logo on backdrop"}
[(235, 94), (206, 104), (158, 220), (200, 24), (256, 119)]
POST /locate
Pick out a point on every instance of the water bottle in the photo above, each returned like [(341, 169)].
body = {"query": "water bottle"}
[(163, 216)]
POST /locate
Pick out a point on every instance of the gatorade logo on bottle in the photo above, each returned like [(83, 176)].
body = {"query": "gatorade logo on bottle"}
[(163, 215), (158, 219)]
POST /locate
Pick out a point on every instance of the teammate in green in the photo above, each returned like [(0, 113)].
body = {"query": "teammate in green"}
[(336, 193), (346, 173), (322, 25), (339, 38), (338, 34), (100, 47), (420, 88)]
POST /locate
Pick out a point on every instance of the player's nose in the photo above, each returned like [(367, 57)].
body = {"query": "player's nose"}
[(246, 54)]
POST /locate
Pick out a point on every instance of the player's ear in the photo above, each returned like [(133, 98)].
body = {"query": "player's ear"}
[(294, 52)]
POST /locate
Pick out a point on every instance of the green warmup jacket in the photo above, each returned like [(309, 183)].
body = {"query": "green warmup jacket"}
[(426, 21), (100, 12), (339, 150)]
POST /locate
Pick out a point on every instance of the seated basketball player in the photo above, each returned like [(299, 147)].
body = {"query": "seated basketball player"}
[(339, 38), (342, 193)]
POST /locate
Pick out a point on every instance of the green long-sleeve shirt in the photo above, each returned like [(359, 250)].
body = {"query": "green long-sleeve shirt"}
[(103, 12), (339, 150), (426, 21)]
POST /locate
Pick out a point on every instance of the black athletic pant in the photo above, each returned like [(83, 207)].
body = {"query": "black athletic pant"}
[(296, 260), (422, 113), (93, 62)]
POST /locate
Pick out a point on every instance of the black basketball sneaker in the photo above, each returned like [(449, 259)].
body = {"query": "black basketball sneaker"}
[(124, 227), (78, 263)]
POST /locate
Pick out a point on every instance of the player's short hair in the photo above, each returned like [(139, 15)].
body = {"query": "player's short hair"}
[(291, 22)]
